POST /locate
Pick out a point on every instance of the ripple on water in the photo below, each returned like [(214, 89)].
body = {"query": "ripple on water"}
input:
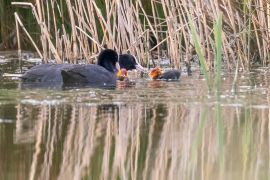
[(6, 120), (126, 132), (42, 102)]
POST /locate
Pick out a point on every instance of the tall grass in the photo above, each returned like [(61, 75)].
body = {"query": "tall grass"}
[(217, 80), (218, 112), (129, 25), (218, 53), (199, 51)]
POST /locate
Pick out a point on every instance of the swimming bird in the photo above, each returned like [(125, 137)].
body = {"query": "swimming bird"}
[(122, 75), (157, 73), (124, 79), (129, 62), (102, 74)]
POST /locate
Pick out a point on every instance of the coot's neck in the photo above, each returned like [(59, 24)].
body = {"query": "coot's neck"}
[(107, 59), (108, 65)]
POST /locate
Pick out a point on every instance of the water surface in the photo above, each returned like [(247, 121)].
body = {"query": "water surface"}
[(147, 130)]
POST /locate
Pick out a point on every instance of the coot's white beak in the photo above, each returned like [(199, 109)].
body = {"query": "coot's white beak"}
[(117, 65), (140, 68)]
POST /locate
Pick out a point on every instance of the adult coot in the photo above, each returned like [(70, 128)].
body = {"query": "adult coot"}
[(49, 75), (157, 73)]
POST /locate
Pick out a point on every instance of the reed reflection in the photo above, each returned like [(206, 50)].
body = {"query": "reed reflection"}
[(142, 141)]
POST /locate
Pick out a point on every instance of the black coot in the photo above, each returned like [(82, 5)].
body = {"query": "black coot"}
[(51, 75)]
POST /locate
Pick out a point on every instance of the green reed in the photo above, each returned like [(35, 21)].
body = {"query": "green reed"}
[(218, 53), (218, 115), (198, 48), (217, 77)]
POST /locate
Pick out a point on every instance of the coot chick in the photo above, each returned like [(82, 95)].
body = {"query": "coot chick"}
[(157, 73), (128, 62), (101, 75), (123, 79), (122, 75)]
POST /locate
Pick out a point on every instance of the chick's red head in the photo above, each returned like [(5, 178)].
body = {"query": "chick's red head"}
[(155, 73), (122, 74)]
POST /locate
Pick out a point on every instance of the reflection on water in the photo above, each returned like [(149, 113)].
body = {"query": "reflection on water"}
[(146, 130), (137, 141)]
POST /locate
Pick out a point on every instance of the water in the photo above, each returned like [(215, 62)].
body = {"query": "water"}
[(148, 130)]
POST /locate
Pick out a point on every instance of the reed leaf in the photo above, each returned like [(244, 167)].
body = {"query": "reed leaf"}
[(218, 53), (198, 48)]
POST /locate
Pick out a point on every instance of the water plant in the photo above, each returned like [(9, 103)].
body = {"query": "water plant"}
[(199, 52), (65, 27)]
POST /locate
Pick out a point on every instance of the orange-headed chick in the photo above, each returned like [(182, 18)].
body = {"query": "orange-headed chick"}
[(122, 74), (155, 73), (168, 75)]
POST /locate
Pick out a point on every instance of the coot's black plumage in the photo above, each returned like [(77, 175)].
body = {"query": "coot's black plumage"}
[(170, 75), (128, 62), (100, 75), (157, 73)]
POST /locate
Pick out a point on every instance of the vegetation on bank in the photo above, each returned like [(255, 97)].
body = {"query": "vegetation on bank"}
[(69, 30)]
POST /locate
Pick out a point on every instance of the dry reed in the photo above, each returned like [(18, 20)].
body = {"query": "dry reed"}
[(126, 25)]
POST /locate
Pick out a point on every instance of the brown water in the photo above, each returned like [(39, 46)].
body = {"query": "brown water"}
[(150, 130)]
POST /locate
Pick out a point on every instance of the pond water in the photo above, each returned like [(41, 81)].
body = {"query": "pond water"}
[(148, 130)]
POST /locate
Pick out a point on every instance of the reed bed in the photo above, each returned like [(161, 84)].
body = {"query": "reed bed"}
[(71, 30)]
